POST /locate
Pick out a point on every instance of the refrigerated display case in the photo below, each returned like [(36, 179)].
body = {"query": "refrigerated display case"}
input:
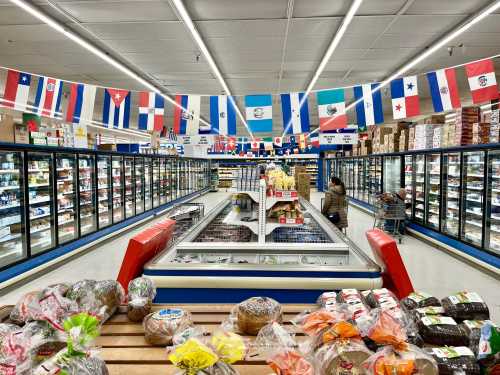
[(451, 194), (87, 194), (169, 180), (472, 201), (66, 197), (156, 182), (139, 185), (419, 188), (492, 240), (433, 188), (409, 176), (392, 174), (163, 181), (118, 188), (375, 173), (129, 187), (104, 191), (148, 185), (174, 188)]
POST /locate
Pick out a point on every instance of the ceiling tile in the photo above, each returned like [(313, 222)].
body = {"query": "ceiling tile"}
[(241, 28), (139, 30), (410, 25), (236, 10), (430, 7)]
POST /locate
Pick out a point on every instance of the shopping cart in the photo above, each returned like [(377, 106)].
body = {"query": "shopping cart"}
[(390, 213)]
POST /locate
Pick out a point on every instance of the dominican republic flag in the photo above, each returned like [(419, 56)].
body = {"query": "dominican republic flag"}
[(331, 109), (444, 89), (278, 141), (48, 97), (405, 100), (222, 115), (81, 103), (295, 113), (314, 139), (187, 114), (116, 110), (151, 111), (482, 81), (369, 108), (259, 113), (17, 90)]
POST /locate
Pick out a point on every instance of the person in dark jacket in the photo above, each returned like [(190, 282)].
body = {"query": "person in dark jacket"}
[(335, 206)]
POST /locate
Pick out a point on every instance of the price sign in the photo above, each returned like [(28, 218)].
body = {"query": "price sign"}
[(338, 139)]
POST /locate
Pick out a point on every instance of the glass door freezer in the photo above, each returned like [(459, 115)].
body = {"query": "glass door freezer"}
[(419, 188), (472, 197), (87, 194), (104, 191), (409, 183), (492, 241), (139, 185), (66, 197), (129, 187), (117, 188), (450, 218), (433, 189), (148, 185)]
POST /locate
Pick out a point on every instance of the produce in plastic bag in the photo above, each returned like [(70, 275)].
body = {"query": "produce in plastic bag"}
[(256, 312), (313, 323), (161, 326), (441, 331), (388, 361), (193, 356), (455, 360), (353, 299), (141, 292), (342, 356), (417, 300), (466, 306)]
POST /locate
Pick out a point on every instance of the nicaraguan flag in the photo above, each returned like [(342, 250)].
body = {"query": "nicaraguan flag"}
[(17, 90), (295, 113), (222, 115), (369, 109), (444, 89), (116, 109), (151, 111), (331, 109), (81, 103), (405, 100), (187, 114), (259, 113), (48, 97)]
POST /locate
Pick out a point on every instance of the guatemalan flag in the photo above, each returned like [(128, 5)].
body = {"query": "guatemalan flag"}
[(151, 111), (482, 81), (369, 108), (405, 100), (259, 113), (116, 110), (444, 89), (48, 97), (187, 114), (17, 89), (81, 103), (295, 113), (222, 115), (331, 109)]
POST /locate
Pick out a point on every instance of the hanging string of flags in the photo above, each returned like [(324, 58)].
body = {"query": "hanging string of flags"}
[(331, 103)]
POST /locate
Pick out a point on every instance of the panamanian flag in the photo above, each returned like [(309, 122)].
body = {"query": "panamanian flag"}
[(116, 109), (151, 111), (369, 105), (222, 115), (259, 113), (187, 114), (331, 109), (17, 90), (81, 103), (405, 100), (48, 97), (295, 113), (444, 89)]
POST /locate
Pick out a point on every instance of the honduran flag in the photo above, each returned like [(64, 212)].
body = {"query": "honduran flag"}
[(331, 109), (116, 109), (314, 137), (295, 113), (81, 103), (151, 111), (444, 89), (259, 113), (369, 108), (48, 97), (482, 81), (405, 100), (187, 114), (17, 90), (222, 115)]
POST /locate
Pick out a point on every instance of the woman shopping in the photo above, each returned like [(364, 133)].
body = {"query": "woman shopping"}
[(335, 206)]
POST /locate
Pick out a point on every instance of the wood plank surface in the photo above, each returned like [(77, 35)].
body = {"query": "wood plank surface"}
[(171, 370)]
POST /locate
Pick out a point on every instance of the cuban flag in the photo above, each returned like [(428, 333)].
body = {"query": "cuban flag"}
[(259, 113), (187, 114), (81, 103), (116, 109), (444, 89), (331, 109), (405, 100), (482, 81), (369, 108), (314, 139), (17, 89), (222, 115), (48, 97), (151, 111), (295, 113)]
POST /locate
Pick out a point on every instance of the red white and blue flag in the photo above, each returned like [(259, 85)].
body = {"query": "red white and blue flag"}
[(17, 90), (81, 103), (444, 89), (314, 139), (482, 81), (405, 100), (151, 111), (187, 114), (116, 109), (48, 97)]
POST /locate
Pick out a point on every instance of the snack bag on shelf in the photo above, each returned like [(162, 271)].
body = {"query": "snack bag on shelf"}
[(466, 306), (453, 360), (141, 292), (387, 361), (417, 300), (161, 326)]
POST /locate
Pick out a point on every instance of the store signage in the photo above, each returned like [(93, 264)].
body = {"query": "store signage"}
[(206, 140), (80, 136), (338, 139)]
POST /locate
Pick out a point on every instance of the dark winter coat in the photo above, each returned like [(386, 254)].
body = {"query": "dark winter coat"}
[(335, 201)]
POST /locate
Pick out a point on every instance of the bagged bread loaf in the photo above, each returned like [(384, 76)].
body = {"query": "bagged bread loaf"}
[(343, 356), (290, 362), (256, 312), (455, 360), (410, 361), (141, 292), (161, 326), (417, 300), (442, 330), (327, 300), (110, 294), (466, 306)]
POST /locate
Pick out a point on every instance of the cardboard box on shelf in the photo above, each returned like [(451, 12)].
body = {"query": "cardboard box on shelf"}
[(7, 131), (21, 134), (435, 119), (107, 147)]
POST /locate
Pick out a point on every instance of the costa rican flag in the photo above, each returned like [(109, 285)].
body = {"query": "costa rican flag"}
[(314, 139), (369, 108), (116, 110), (444, 90), (151, 111), (222, 115), (405, 100), (295, 113), (81, 103), (17, 89), (331, 109), (48, 97), (187, 114), (482, 81), (259, 113)]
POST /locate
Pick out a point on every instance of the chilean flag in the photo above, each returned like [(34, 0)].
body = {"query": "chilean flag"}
[(444, 89), (16, 90), (222, 115), (482, 81), (151, 111), (405, 101), (48, 97), (116, 109), (314, 139), (187, 114), (81, 103)]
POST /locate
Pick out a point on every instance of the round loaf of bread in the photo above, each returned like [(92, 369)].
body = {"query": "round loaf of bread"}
[(256, 312), (161, 326)]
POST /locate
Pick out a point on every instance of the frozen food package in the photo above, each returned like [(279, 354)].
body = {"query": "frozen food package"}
[(412, 360), (466, 306), (417, 300), (342, 356), (256, 312), (453, 360), (141, 293), (161, 326), (442, 330)]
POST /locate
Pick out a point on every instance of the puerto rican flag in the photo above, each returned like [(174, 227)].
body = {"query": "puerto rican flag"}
[(482, 81), (295, 113), (405, 100), (151, 111), (187, 114), (48, 97), (444, 89), (116, 109), (314, 139), (222, 115), (17, 90), (81, 103)]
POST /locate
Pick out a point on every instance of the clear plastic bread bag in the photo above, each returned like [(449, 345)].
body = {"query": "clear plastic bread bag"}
[(383, 328), (141, 293), (342, 356), (192, 357), (161, 326)]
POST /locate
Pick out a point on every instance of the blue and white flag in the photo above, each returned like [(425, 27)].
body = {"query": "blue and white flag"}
[(295, 113), (222, 115), (259, 113), (116, 109), (369, 110)]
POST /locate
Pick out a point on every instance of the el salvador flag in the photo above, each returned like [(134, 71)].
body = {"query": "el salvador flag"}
[(259, 113), (222, 115), (295, 115), (369, 109)]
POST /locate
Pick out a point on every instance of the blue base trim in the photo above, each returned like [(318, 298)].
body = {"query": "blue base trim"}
[(37, 261), (258, 273), (362, 204)]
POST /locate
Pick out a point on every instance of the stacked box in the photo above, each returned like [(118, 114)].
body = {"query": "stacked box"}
[(494, 126), (447, 131), (304, 185), (411, 138), (423, 136), (464, 120), (366, 147), (437, 136), (435, 119), (480, 133)]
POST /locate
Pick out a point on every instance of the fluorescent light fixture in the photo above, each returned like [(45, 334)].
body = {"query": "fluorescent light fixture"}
[(129, 132)]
